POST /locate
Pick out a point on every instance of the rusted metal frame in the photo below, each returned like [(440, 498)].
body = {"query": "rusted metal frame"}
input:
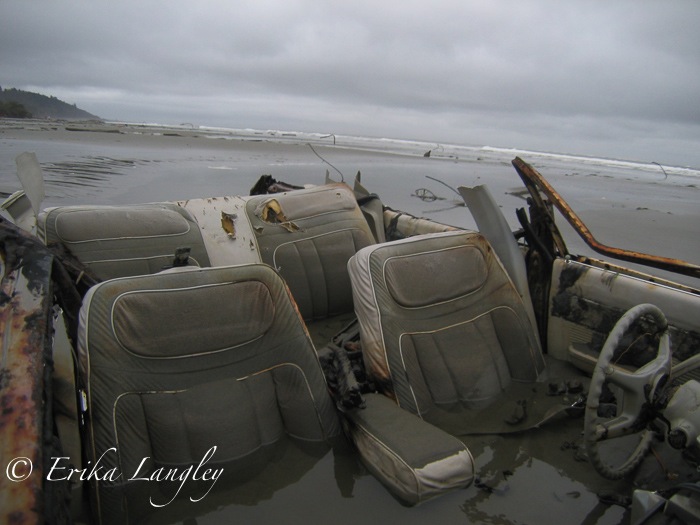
[(25, 362), (534, 180), (544, 209)]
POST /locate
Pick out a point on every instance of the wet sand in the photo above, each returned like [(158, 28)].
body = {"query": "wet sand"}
[(641, 208)]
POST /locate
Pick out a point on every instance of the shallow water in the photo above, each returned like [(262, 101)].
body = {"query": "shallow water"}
[(514, 486)]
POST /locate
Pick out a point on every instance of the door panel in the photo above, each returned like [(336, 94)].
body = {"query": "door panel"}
[(585, 303)]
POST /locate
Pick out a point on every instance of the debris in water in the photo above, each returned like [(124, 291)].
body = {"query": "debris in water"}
[(574, 386), (615, 499), (556, 389), (483, 486), (519, 413), (426, 195)]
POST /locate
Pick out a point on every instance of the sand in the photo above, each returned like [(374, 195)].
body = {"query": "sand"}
[(633, 207)]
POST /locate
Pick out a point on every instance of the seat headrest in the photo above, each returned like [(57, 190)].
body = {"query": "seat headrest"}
[(461, 270)]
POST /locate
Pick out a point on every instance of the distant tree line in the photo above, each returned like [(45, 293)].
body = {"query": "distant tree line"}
[(12, 109), (16, 103)]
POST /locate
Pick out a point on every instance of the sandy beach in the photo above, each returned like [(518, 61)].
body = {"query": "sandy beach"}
[(639, 207)]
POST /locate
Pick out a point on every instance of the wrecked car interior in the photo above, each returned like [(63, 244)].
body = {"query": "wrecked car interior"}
[(180, 358)]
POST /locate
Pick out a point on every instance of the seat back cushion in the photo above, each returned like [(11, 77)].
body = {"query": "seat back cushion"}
[(308, 236), (121, 241), (177, 363), (442, 327)]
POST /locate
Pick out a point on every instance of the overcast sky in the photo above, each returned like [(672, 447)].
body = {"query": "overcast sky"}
[(610, 78)]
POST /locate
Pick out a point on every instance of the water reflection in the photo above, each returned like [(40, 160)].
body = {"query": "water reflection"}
[(518, 483), (308, 485), (517, 487), (81, 174), (251, 484)]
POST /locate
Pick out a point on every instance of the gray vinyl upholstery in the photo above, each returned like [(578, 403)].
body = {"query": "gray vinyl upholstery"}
[(415, 460), (120, 241), (179, 362), (443, 329), (308, 236)]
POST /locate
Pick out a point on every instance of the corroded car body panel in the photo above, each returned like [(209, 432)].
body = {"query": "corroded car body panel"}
[(587, 301), (25, 304)]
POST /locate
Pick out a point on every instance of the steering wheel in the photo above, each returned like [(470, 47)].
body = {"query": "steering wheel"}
[(638, 389)]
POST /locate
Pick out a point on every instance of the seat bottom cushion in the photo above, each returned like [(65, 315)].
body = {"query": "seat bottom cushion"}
[(413, 459)]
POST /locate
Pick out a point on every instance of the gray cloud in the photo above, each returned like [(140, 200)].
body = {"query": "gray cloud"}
[(600, 78)]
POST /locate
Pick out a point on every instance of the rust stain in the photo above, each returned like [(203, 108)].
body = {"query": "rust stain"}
[(534, 180), (24, 328)]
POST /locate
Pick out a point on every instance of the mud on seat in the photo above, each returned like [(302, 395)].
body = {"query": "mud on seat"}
[(179, 362), (415, 460), (443, 329), (119, 241), (308, 236)]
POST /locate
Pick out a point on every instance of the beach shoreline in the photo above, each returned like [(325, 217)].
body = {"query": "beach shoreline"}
[(92, 162), (135, 133)]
